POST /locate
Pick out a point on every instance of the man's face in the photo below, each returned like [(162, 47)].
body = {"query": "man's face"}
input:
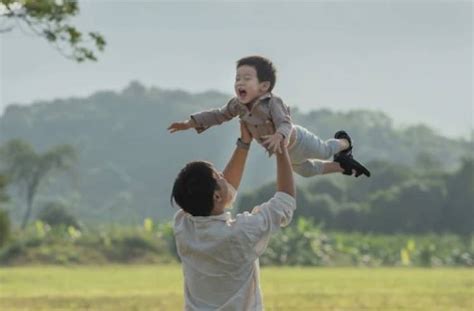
[(247, 87)]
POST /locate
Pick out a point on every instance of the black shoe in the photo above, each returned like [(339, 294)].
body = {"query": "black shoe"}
[(348, 164), (343, 135)]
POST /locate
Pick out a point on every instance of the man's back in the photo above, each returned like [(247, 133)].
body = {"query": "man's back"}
[(220, 254)]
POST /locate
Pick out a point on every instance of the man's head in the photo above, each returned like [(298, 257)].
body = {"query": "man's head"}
[(255, 76), (201, 190)]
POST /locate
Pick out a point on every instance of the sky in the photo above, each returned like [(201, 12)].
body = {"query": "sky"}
[(409, 59)]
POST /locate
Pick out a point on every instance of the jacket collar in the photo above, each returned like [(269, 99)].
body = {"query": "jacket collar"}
[(258, 100), (265, 96)]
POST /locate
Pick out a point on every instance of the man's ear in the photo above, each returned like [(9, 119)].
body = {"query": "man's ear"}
[(265, 86), (217, 197)]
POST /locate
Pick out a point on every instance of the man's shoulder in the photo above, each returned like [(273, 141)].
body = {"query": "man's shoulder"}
[(178, 219), (179, 214), (280, 200)]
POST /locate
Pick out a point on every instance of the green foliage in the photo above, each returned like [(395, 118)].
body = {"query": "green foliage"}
[(28, 170), (57, 214), (302, 244), (397, 199), (414, 206), (305, 244), (44, 244), (128, 160), (458, 213), (4, 227), (4, 219), (325, 212), (50, 19), (3, 186)]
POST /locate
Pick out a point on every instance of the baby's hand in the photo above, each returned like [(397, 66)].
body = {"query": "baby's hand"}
[(273, 142), (180, 126)]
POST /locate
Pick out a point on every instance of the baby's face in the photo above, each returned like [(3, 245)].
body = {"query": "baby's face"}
[(247, 87)]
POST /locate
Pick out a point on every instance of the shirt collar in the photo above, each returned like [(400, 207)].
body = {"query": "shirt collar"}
[(226, 216)]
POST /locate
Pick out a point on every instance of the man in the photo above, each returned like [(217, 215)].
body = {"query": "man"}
[(220, 253)]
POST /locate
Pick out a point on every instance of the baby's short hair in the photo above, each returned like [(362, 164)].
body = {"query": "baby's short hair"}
[(264, 67)]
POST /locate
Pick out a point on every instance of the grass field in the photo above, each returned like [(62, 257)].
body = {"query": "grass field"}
[(160, 288)]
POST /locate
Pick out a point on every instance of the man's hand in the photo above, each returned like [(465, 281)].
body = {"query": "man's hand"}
[(235, 167), (273, 142), (245, 135), (181, 126)]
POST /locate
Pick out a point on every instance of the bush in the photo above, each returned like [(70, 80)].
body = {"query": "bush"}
[(56, 214), (4, 227), (302, 244), (11, 252), (305, 244)]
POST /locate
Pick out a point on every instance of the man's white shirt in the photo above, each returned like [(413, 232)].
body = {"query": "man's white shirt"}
[(220, 254)]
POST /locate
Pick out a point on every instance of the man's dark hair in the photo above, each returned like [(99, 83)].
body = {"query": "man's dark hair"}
[(264, 67), (194, 188)]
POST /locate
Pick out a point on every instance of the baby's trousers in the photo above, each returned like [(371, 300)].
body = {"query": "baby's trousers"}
[(308, 150)]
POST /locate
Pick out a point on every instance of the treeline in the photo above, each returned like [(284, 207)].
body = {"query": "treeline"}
[(396, 199), (127, 160)]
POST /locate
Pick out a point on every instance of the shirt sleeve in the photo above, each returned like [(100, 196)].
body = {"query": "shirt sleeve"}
[(178, 223), (208, 118), (280, 114), (257, 227)]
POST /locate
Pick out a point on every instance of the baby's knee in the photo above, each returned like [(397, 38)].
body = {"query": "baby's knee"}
[(304, 170)]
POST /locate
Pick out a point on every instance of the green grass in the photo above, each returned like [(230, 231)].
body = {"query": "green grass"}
[(160, 288)]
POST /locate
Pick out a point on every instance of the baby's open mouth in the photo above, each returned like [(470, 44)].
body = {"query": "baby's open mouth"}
[(242, 93)]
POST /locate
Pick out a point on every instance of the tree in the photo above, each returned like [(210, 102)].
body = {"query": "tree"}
[(414, 206), (4, 220), (57, 214), (28, 169), (50, 19), (458, 213), (3, 186)]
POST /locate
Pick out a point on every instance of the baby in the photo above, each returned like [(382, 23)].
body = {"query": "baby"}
[(268, 120)]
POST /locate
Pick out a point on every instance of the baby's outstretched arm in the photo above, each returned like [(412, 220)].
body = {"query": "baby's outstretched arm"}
[(182, 126), (203, 120)]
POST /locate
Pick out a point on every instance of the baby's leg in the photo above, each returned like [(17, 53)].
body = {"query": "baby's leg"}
[(310, 168), (313, 147)]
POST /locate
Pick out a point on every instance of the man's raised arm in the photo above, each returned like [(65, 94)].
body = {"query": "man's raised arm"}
[(235, 168), (285, 182)]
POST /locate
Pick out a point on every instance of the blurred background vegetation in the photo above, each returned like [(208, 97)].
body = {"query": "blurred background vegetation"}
[(86, 180), (89, 181)]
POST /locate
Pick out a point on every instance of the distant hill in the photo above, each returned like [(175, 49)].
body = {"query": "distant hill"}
[(128, 160)]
